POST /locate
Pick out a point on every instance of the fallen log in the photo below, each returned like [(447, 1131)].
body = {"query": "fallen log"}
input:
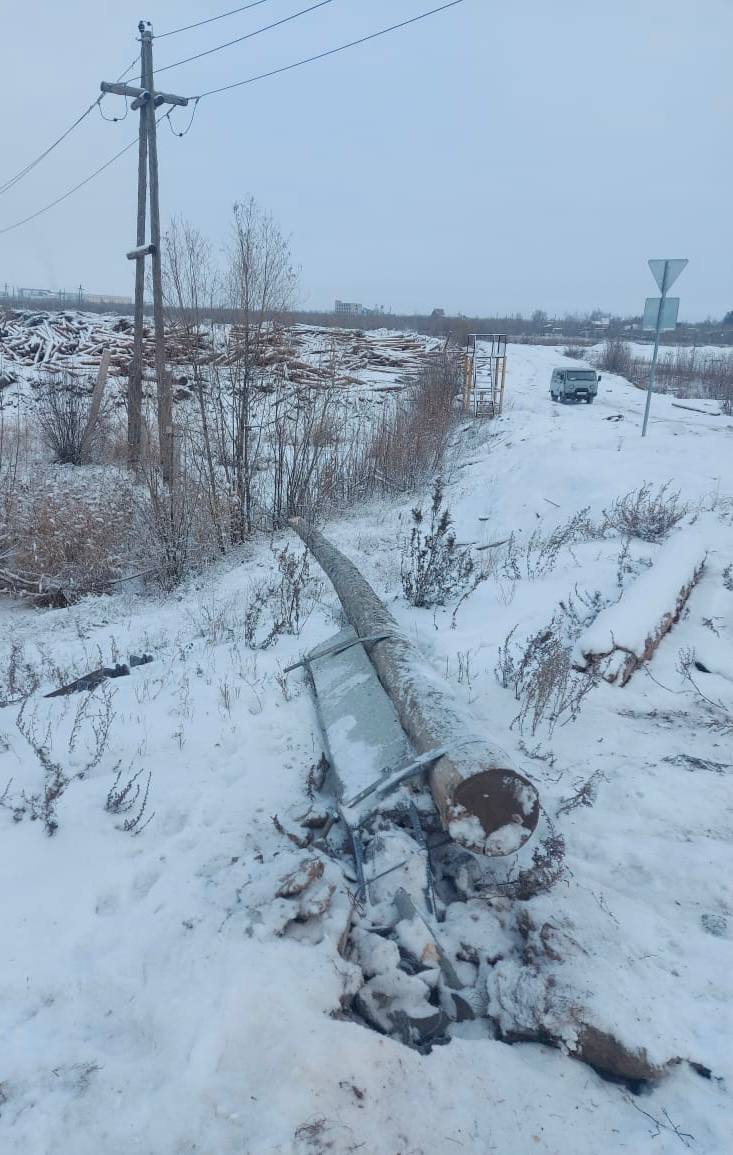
[(95, 678), (627, 634), (43, 591), (695, 409), (483, 801)]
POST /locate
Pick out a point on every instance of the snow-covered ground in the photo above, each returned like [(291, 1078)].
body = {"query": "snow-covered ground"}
[(154, 994), (645, 349)]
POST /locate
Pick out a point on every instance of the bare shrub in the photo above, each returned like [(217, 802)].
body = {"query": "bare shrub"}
[(410, 441), (63, 408), (683, 372), (124, 797), (575, 352), (18, 678), (581, 609), (14, 452), (694, 373), (433, 568), (296, 592), (542, 874), (289, 600), (585, 794), (42, 805), (505, 670), (645, 514), (616, 357), (538, 555), (174, 525), (540, 673), (719, 715), (480, 575), (71, 531), (305, 464), (99, 721)]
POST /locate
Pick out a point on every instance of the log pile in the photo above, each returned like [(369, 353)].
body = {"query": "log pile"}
[(355, 350), (314, 357), (73, 342)]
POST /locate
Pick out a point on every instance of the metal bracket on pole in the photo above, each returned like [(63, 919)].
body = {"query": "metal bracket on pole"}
[(142, 95), (338, 648), (140, 252), (390, 779)]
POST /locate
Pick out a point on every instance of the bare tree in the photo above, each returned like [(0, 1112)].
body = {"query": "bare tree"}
[(261, 284), (190, 284)]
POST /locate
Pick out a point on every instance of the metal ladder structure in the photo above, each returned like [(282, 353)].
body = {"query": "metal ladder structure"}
[(485, 374)]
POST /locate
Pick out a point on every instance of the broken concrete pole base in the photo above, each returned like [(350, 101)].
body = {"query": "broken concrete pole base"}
[(483, 801)]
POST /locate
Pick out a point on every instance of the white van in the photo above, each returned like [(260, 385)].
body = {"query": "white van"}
[(574, 385)]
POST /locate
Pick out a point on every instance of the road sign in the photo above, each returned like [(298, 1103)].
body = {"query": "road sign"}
[(674, 268), (661, 313)]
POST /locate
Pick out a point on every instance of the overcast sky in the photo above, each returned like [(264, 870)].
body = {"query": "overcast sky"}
[(497, 157)]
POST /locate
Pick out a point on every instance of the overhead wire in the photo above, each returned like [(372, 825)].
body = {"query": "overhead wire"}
[(247, 36), (210, 19), (187, 129), (76, 187), (12, 181), (328, 52), (216, 91), (113, 119)]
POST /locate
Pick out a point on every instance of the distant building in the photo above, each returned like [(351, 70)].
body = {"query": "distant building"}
[(106, 299), (349, 307), (36, 294), (73, 296)]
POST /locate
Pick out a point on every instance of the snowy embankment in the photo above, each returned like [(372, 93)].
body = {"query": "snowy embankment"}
[(158, 995)]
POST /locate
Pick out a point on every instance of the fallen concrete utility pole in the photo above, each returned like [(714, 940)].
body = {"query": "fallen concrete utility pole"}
[(483, 801)]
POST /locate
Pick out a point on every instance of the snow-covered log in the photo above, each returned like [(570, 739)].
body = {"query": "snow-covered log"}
[(626, 635), (43, 591), (483, 801)]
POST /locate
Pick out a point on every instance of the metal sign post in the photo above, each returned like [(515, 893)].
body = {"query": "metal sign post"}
[(660, 313)]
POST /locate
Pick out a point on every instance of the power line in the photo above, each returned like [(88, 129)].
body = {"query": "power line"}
[(76, 187), (42, 156), (210, 20), (227, 88), (329, 52), (32, 164), (248, 36), (135, 60)]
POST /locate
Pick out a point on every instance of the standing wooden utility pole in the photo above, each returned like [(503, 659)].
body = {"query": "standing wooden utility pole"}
[(135, 386), (147, 100)]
